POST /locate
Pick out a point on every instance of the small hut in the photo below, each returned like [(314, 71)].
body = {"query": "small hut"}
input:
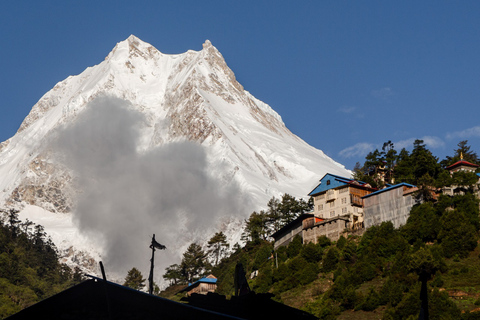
[(202, 286)]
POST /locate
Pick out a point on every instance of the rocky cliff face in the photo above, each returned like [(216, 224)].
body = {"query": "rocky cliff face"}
[(193, 96)]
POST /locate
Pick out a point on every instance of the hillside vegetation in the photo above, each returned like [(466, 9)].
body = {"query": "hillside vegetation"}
[(375, 275), (29, 266)]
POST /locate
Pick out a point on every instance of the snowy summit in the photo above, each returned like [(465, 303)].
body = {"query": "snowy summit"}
[(146, 142)]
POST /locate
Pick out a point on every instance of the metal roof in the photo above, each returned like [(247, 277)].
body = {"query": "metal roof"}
[(196, 283), (335, 182), (402, 184)]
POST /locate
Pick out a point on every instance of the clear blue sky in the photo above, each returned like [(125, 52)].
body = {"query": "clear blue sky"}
[(345, 76)]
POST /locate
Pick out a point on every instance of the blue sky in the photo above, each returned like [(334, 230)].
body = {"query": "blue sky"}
[(345, 76)]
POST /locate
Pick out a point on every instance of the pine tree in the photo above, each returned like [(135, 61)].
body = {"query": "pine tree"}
[(194, 263), (463, 151), (217, 246), (173, 273), (423, 161), (134, 279), (256, 227), (404, 168)]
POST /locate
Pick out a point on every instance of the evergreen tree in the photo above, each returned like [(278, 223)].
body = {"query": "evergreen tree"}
[(331, 259), (194, 264), (423, 223), (464, 151), (217, 246), (457, 236), (173, 273), (134, 279), (465, 180), (423, 161), (290, 208), (274, 214), (404, 168), (390, 160), (256, 227), (444, 179), (373, 162)]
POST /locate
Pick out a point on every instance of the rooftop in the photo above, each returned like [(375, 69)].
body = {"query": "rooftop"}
[(403, 184)]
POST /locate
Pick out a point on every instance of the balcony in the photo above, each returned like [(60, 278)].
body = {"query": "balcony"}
[(356, 200), (331, 195)]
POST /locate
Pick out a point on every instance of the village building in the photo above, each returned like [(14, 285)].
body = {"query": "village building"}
[(331, 228), (202, 286), (462, 166), (338, 205), (390, 204), (286, 234)]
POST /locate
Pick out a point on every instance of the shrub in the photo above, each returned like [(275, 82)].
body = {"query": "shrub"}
[(341, 242), (294, 247), (457, 235), (308, 274), (331, 260), (311, 252), (391, 292), (371, 302), (323, 241)]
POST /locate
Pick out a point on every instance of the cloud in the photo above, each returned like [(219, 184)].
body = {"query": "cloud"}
[(430, 141), (347, 110), (363, 148), (127, 195), (383, 93), (359, 150), (467, 133)]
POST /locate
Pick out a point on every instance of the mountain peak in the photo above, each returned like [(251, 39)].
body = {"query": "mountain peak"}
[(132, 38), (132, 47), (241, 144), (207, 44)]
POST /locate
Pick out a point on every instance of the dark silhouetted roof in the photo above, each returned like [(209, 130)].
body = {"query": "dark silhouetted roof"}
[(99, 299)]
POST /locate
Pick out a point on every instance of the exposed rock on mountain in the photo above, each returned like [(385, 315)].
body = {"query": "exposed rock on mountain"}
[(168, 103)]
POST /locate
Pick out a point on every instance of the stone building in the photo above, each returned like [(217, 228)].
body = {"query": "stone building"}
[(286, 234), (331, 228)]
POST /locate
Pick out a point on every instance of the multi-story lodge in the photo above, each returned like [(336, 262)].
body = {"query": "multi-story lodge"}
[(338, 205)]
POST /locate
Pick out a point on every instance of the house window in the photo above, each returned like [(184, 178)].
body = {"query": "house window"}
[(343, 190), (344, 210), (332, 213), (321, 197), (328, 182), (332, 204), (344, 200), (320, 207)]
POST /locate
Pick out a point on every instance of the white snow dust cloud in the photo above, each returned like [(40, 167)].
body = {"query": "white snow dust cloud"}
[(127, 195)]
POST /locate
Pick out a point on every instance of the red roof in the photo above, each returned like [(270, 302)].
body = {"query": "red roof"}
[(462, 163)]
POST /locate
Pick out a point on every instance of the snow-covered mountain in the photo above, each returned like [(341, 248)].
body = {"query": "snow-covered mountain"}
[(147, 142)]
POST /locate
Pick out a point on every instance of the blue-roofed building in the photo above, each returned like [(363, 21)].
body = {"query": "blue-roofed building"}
[(202, 286), (390, 204), (338, 202)]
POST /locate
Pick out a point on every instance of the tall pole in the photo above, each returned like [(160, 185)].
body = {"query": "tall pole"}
[(153, 245), (150, 277)]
